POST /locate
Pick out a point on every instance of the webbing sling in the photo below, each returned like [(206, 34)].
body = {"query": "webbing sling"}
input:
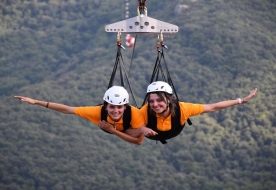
[(158, 68), (119, 61)]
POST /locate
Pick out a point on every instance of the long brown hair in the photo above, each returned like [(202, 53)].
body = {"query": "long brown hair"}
[(163, 96)]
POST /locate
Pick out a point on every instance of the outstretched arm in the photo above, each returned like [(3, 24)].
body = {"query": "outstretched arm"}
[(110, 128), (51, 105), (228, 103)]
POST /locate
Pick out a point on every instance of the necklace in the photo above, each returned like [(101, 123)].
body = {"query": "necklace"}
[(114, 125)]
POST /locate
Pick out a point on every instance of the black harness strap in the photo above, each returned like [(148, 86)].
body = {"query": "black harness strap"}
[(119, 61)]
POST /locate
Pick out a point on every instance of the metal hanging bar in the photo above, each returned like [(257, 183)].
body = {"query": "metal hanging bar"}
[(142, 24)]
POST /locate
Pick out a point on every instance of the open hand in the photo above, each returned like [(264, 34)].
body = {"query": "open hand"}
[(25, 99), (251, 95)]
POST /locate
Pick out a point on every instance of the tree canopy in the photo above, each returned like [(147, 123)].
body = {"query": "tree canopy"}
[(57, 50)]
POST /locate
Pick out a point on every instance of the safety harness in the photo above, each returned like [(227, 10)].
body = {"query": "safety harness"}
[(142, 14), (176, 126), (119, 61)]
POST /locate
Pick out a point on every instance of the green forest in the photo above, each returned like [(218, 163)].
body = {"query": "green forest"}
[(58, 51)]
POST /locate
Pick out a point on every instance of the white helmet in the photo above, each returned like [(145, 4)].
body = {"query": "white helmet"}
[(116, 95), (159, 86)]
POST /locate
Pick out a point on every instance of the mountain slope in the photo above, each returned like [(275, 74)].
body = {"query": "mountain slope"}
[(58, 51)]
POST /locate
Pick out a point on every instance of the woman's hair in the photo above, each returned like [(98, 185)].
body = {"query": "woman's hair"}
[(171, 98)]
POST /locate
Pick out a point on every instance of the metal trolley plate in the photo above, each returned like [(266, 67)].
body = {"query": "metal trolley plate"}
[(143, 25)]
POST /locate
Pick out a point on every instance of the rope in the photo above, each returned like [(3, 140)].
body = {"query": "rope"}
[(119, 61)]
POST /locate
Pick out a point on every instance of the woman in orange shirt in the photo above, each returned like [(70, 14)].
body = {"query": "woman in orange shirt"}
[(112, 111), (165, 115)]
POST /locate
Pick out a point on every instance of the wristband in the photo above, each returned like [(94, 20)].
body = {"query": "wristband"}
[(239, 100), (47, 104)]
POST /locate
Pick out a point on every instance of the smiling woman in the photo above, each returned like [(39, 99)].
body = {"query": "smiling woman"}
[(114, 116), (115, 100), (166, 115)]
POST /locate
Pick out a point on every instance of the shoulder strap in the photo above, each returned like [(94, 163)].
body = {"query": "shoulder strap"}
[(103, 113), (127, 117), (104, 116)]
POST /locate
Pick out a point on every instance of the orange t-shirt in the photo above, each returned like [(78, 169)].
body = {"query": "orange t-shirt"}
[(186, 110), (93, 114)]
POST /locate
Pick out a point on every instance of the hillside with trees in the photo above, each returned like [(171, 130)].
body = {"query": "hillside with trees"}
[(58, 51)]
